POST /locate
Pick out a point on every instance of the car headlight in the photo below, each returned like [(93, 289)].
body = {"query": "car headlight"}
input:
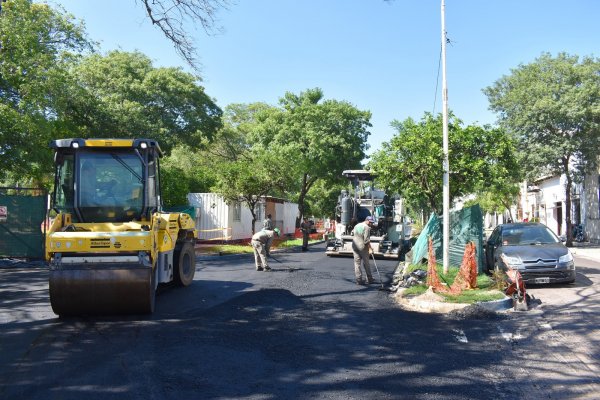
[(566, 258), (512, 261)]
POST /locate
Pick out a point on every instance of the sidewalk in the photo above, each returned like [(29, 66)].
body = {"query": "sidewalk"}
[(587, 250)]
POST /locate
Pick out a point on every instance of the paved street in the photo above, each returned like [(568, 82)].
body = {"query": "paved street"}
[(302, 331)]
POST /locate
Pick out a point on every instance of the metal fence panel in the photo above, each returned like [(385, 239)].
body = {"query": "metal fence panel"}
[(22, 214)]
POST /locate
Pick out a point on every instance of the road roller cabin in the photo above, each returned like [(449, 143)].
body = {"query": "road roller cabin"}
[(111, 245)]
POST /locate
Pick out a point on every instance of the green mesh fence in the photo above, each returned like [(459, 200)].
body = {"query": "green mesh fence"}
[(21, 223), (466, 226)]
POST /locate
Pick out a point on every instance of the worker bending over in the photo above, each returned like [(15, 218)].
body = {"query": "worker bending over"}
[(261, 243)]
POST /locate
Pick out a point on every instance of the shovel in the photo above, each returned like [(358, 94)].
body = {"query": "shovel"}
[(276, 260), (378, 274)]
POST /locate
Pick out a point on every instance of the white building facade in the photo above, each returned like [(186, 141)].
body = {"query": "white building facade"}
[(216, 220), (545, 201)]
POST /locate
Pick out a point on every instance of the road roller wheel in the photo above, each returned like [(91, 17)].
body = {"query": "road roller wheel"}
[(185, 264)]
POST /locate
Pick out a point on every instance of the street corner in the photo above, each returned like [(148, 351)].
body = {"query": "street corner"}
[(431, 302)]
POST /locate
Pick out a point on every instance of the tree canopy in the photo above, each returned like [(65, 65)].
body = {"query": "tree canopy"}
[(411, 162), (122, 94), (320, 139), (50, 89), (552, 107), (37, 46), (240, 171)]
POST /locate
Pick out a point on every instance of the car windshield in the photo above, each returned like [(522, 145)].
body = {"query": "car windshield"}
[(523, 235)]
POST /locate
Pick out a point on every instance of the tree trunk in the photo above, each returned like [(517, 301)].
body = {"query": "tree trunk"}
[(301, 199), (507, 207), (252, 206), (300, 208), (253, 223)]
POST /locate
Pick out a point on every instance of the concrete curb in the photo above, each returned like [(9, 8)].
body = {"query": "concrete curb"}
[(429, 304), (496, 305)]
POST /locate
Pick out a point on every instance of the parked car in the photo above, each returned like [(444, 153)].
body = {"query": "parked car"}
[(533, 249)]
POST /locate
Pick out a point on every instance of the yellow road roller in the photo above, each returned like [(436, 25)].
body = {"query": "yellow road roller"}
[(111, 245)]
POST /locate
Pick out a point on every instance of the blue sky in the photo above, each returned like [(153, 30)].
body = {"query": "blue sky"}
[(380, 56)]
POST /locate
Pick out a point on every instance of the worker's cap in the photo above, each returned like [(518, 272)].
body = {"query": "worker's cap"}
[(370, 219), (277, 231)]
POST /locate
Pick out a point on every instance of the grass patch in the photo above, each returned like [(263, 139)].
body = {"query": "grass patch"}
[(226, 249), (487, 288), (246, 248)]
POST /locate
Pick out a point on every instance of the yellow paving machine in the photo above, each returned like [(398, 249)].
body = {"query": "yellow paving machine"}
[(111, 244)]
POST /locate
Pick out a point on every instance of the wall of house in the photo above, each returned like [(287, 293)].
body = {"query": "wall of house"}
[(547, 203), (218, 221), (212, 216), (290, 211), (551, 207)]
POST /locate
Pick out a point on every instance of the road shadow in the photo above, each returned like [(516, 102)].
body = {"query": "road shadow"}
[(311, 335)]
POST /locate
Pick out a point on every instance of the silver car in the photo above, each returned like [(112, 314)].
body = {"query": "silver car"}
[(533, 249)]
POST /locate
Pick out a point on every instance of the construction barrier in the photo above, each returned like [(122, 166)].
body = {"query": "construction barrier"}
[(223, 237), (467, 274)]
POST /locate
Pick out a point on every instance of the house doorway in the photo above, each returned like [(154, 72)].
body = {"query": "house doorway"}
[(558, 217)]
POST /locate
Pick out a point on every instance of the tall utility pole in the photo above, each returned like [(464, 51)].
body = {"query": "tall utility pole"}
[(446, 192)]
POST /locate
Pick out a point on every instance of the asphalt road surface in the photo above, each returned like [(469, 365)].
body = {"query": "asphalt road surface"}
[(302, 331)]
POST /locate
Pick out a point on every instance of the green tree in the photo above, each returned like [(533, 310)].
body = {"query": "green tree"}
[(249, 179), (38, 44), (240, 171), (319, 139), (552, 107), (185, 171), (122, 94), (411, 162), (323, 198)]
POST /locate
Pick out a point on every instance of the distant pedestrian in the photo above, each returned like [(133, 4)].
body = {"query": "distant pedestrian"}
[(361, 247), (268, 223), (305, 228), (332, 228), (261, 243)]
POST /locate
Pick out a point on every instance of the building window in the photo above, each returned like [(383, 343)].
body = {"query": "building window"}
[(237, 211), (258, 212)]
